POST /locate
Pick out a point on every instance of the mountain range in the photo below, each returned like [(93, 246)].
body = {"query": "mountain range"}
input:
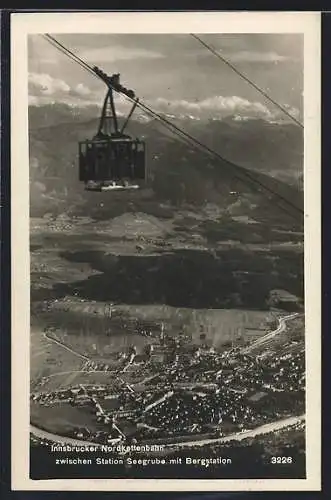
[(268, 154)]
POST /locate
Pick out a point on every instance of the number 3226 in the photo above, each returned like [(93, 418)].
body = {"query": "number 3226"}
[(281, 460)]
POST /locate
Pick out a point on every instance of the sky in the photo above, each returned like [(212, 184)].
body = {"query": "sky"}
[(174, 74)]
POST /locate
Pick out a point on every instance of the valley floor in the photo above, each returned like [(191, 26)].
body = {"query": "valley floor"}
[(105, 295)]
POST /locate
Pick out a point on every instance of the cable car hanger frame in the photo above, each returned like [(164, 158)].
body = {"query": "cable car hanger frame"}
[(112, 160)]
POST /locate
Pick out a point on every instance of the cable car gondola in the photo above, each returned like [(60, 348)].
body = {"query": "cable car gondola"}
[(112, 160)]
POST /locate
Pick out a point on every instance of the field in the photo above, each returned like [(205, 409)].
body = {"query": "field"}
[(63, 418), (98, 285), (116, 333), (54, 367), (48, 358)]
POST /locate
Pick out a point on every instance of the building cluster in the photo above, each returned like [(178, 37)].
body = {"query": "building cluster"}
[(189, 390)]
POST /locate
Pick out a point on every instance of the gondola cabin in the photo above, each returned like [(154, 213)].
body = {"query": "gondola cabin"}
[(112, 159)]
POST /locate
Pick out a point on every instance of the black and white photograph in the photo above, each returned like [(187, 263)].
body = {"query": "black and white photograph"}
[(167, 213)]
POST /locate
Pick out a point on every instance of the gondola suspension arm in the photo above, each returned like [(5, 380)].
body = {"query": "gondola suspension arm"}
[(129, 115)]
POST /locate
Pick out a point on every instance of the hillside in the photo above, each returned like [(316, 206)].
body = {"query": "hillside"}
[(179, 174)]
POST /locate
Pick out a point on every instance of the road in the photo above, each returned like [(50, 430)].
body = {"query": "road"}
[(50, 339), (263, 429), (280, 329), (40, 433)]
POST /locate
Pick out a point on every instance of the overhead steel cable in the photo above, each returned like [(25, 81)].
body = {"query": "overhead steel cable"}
[(86, 66), (248, 80), (69, 53), (182, 134), (241, 171)]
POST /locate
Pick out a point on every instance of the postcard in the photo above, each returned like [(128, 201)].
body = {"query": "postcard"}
[(166, 280)]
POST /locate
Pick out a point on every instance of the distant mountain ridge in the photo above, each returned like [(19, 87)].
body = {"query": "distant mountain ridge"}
[(178, 173), (274, 149), (57, 113)]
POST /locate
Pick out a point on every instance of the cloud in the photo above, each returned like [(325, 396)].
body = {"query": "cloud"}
[(69, 99), (82, 90), (212, 107), (117, 53), (244, 56), (44, 84), (44, 89), (250, 56)]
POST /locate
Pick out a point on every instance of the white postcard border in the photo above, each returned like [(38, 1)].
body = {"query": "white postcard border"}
[(23, 24)]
